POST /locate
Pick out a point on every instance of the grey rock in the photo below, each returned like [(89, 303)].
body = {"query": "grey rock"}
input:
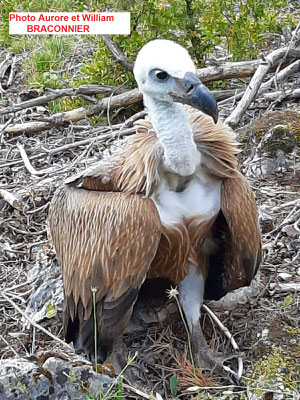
[(47, 288), (55, 379), (238, 297)]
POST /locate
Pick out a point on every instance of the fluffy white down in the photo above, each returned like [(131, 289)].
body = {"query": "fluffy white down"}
[(200, 198), (165, 55)]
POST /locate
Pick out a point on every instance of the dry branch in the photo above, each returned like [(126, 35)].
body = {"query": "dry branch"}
[(286, 287), (290, 45), (4, 65), (26, 127), (130, 97), (116, 52), (123, 100), (280, 95), (10, 199), (55, 94), (230, 70), (282, 76), (88, 90), (103, 138), (135, 117), (224, 71), (255, 83)]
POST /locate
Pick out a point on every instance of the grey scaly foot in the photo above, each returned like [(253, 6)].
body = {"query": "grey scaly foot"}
[(206, 358)]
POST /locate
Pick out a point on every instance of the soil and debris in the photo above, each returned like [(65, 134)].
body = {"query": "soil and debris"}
[(264, 319)]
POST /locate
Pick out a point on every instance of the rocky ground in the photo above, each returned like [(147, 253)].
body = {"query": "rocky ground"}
[(264, 319)]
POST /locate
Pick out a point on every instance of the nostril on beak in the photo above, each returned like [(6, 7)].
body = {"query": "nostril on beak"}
[(190, 89)]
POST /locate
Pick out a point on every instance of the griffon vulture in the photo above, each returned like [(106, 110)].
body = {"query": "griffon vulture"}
[(168, 204)]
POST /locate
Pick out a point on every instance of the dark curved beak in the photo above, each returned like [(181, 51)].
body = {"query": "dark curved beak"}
[(190, 90)]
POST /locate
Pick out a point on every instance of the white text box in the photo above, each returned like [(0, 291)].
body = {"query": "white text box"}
[(23, 23)]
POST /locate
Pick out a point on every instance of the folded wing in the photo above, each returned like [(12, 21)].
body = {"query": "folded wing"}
[(105, 241), (237, 235)]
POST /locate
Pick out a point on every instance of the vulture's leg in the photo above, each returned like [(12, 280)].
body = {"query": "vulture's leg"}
[(134, 373), (117, 354), (191, 292)]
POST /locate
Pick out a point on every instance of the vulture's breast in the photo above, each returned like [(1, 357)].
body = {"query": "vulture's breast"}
[(187, 207), (178, 198)]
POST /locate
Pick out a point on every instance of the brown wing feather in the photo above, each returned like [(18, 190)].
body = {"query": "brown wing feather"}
[(243, 243), (101, 176), (132, 168), (101, 241)]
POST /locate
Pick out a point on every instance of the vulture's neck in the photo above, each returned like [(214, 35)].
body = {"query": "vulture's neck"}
[(174, 132)]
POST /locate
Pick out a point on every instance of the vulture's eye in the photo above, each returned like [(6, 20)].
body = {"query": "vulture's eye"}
[(161, 76)]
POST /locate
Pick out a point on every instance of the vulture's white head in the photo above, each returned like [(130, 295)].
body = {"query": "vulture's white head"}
[(165, 72)]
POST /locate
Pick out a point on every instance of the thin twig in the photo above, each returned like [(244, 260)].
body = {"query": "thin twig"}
[(94, 290), (120, 374), (28, 165), (229, 336), (137, 391), (2, 129), (100, 139), (33, 323), (196, 388), (9, 345)]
